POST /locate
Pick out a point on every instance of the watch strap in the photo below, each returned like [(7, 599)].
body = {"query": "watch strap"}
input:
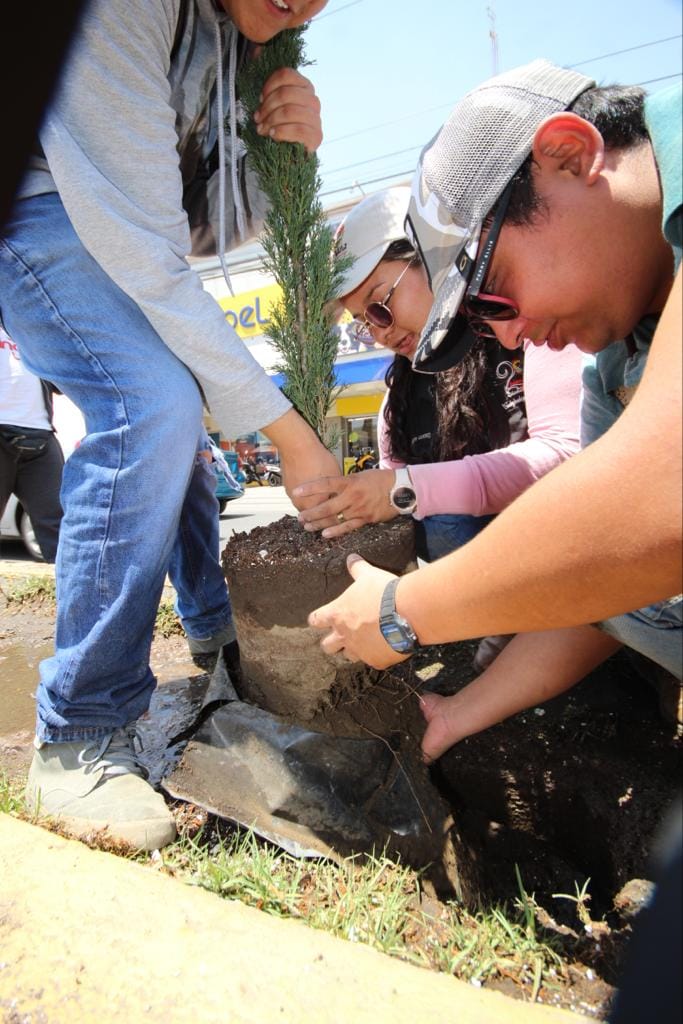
[(391, 622), (387, 608), (402, 478)]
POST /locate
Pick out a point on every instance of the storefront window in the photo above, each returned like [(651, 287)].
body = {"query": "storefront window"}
[(360, 438)]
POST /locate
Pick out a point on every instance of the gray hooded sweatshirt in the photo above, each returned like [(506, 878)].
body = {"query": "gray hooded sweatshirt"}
[(137, 100)]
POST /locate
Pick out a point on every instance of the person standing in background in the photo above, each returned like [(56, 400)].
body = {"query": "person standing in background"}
[(31, 459), (139, 165)]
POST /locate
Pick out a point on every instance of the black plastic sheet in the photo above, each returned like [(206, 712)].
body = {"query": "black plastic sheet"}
[(312, 793)]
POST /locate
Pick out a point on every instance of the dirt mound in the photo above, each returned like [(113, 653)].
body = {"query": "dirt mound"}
[(279, 573)]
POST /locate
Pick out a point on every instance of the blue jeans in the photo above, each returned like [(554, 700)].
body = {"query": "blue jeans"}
[(436, 536), (201, 591), (655, 631), (123, 488)]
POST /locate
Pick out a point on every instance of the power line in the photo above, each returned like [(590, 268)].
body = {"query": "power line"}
[(420, 146), (664, 78), (338, 10), (373, 160), (441, 106), (371, 181), (629, 49), (387, 124)]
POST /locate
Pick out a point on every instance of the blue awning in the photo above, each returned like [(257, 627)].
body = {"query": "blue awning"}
[(353, 371)]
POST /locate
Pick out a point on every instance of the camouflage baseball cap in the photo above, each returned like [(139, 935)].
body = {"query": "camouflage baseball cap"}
[(461, 175)]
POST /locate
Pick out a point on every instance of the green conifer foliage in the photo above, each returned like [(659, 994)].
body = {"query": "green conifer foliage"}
[(298, 246)]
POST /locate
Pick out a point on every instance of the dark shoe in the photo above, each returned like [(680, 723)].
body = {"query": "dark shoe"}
[(212, 644), (205, 652), (230, 653)]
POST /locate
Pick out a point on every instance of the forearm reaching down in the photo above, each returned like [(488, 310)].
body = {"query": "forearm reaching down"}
[(533, 668)]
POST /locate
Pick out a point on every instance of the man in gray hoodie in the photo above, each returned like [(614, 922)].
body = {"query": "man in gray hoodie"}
[(135, 169)]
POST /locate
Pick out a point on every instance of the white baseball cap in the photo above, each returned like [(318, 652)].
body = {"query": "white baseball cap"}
[(367, 231)]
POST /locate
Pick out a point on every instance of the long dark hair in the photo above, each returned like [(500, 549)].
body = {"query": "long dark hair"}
[(467, 420)]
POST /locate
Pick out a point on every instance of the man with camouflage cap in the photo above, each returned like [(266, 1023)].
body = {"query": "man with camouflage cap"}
[(548, 209)]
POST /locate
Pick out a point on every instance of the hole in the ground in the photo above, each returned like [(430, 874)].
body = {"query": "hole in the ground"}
[(572, 796)]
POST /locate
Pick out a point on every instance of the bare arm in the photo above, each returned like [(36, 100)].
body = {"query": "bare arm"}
[(486, 483), (533, 668), (476, 484), (301, 452), (598, 536)]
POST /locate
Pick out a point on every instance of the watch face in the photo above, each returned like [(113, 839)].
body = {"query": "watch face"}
[(404, 497), (396, 637)]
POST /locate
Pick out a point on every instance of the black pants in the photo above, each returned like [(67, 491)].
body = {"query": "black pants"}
[(650, 989), (35, 477)]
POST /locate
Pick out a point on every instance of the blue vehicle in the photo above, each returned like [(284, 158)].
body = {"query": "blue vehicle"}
[(228, 485)]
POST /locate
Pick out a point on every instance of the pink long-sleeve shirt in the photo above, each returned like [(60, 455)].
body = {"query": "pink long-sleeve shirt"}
[(484, 484)]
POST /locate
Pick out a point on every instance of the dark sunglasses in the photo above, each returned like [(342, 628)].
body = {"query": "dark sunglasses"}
[(481, 308), (378, 314)]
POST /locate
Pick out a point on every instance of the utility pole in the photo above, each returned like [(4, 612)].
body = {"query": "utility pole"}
[(493, 36)]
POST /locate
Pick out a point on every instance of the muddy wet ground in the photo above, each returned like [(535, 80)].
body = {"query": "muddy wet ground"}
[(26, 637)]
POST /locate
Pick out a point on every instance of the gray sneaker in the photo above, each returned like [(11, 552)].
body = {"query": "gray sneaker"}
[(94, 785), (213, 644)]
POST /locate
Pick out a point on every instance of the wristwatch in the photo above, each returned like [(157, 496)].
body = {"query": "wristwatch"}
[(402, 495), (396, 630)]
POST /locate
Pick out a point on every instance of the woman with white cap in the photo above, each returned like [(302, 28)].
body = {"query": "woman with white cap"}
[(457, 446)]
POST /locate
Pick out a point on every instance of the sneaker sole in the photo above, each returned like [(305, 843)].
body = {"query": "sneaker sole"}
[(145, 835)]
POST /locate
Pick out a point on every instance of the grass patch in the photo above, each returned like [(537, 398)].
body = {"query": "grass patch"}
[(167, 622), (377, 902), (30, 590), (371, 900), (11, 796)]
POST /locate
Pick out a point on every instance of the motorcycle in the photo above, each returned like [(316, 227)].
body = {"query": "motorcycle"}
[(273, 474), (253, 471), (366, 458)]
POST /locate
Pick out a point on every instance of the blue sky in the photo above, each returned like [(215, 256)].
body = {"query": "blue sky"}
[(389, 71)]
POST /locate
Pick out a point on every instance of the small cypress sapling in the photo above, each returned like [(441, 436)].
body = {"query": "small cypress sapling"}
[(298, 245)]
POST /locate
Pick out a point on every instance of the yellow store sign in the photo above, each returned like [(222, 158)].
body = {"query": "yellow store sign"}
[(249, 312)]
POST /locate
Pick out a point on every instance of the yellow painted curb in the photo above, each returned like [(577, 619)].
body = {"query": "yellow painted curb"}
[(86, 936)]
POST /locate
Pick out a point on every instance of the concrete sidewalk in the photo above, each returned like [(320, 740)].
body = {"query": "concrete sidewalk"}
[(86, 935), (15, 568)]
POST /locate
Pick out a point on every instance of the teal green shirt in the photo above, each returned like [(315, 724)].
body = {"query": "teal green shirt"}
[(664, 119), (621, 364), (663, 115)]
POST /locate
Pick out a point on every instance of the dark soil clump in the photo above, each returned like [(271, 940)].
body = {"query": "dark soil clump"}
[(283, 560)]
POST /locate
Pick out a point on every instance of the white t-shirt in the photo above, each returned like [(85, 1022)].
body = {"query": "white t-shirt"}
[(21, 394)]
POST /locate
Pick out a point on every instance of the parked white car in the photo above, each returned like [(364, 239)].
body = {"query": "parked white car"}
[(15, 523)]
